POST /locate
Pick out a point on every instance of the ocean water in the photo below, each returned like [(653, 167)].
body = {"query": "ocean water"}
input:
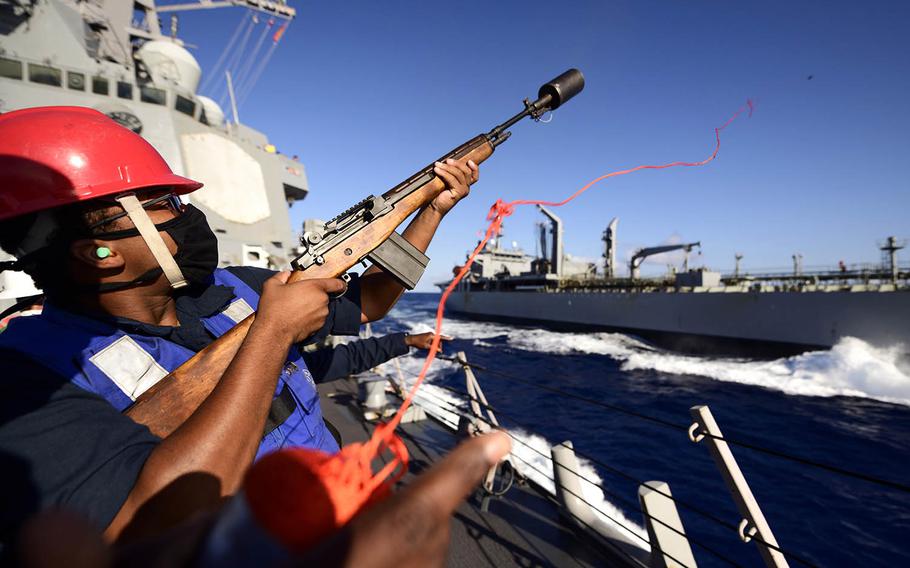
[(848, 406)]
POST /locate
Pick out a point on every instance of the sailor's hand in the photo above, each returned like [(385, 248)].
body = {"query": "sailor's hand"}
[(411, 528), (458, 177), (297, 310), (424, 340)]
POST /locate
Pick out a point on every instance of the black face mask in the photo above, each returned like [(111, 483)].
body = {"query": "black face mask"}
[(197, 245), (197, 249)]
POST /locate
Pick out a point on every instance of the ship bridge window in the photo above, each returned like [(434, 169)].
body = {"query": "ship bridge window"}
[(185, 105), (75, 81), (153, 95), (124, 90), (100, 86), (44, 75), (10, 68)]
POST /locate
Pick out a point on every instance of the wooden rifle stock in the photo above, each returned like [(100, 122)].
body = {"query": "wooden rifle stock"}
[(168, 404), (172, 400)]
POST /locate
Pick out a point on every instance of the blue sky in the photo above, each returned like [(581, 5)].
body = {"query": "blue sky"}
[(366, 92)]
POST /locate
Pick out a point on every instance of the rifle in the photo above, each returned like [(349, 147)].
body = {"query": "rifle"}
[(365, 231)]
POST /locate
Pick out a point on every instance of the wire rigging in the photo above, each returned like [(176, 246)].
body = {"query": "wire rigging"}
[(247, 87), (579, 397), (598, 484), (243, 72), (221, 90), (216, 69), (735, 441), (612, 469), (459, 412), (627, 503)]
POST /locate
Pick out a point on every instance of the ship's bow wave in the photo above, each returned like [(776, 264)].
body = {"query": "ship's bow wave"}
[(852, 367)]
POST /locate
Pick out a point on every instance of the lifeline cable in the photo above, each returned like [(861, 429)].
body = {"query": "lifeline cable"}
[(461, 413), (630, 531), (619, 498), (896, 485), (455, 410)]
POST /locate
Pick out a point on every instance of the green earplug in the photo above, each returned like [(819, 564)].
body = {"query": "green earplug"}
[(103, 252)]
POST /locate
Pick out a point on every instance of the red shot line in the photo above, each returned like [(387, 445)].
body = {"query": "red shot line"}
[(499, 211)]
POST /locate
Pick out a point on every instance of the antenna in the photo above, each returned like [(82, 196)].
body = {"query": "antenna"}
[(890, 249), (230, 86), (797, 264)]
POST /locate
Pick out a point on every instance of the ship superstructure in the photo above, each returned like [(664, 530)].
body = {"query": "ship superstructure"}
[(692, 309), (116, 56)]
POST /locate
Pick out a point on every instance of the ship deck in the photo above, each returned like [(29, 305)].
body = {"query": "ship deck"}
[(522, 528)]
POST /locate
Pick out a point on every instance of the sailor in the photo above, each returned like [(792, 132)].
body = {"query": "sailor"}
[(409, 528), (329, 364), (93, 213)]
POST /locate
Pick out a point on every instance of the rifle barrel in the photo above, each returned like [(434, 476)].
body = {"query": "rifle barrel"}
[(166, 405)]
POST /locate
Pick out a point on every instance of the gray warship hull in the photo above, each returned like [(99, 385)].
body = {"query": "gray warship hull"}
[(694, 310), (757, 323)]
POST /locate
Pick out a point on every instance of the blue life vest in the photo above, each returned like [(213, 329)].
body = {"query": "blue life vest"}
[(118, 366)]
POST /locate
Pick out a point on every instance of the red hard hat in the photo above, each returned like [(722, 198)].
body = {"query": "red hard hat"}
[(54, 156)]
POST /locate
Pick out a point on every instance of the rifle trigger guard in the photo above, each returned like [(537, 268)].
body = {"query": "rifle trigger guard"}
[(346, 278)]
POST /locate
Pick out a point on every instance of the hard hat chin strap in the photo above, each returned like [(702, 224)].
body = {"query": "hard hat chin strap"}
[(153, 240)]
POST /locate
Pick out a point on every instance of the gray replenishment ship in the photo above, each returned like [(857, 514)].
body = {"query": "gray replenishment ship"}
[(116, 56), (695, 310)]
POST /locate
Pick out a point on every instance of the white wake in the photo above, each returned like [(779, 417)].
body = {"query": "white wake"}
[(530, 452), (851, 368)]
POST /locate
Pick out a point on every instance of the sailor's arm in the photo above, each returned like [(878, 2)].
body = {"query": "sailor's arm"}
[(410, 528), (358, 356), (379, 290), (208, 455)]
